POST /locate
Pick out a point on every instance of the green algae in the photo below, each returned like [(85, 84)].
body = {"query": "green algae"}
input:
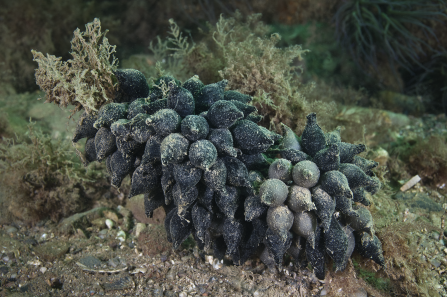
[(42, 177), (85, 81), (372, 278)]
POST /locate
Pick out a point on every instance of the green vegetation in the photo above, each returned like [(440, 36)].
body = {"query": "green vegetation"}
[(42, 177), (426, 157), (431, 83), (371, 278), (382, 31), (240, 50), (326, 61), (86, 81), (189, 243)]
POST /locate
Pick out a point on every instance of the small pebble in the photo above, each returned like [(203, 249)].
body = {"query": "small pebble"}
[(114, 262), (209, 259), (11, 229), (30, 241), (121, 236), (43, 269), (217, 264), (139, 228), (35, 263), (435, 235), (109, 223), (360, 293), (103, 232), (139, 270), (435, 262)]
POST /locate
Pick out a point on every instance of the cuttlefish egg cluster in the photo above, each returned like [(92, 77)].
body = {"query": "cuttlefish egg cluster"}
[(317, 215), (197, 151)]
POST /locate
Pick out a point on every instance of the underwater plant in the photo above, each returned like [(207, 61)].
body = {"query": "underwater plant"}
[(239, 50), (430, 83), (432, 166), (85, 81), (43, 177), (376, 31)]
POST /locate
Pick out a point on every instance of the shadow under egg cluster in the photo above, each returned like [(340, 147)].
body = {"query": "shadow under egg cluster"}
[(197, 151)]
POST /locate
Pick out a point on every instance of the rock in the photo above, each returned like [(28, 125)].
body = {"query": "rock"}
[(110, 214), (79, 220), (11, 229), (99, 223), (109, 223), (52, 250)]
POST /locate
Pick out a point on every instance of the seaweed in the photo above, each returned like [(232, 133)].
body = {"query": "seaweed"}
[(87, 80), (172, 51), (42, 177), (4, 124), (383, 31), (239, 50), (431, 165), (429, 84), (410, 275), (377, 282)]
